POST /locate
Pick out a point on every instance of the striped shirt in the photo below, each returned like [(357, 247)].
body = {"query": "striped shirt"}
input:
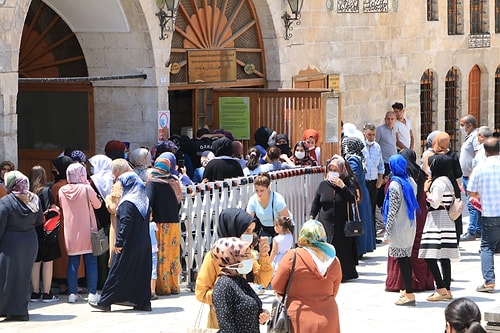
[(485, 180)]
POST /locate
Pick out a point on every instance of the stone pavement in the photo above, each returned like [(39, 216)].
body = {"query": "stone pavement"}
[(364, 306)]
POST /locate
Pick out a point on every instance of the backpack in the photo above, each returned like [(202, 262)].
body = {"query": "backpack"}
[(51, 219)]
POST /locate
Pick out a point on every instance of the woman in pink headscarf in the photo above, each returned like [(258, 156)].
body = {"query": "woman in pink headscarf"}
[(77, 199)]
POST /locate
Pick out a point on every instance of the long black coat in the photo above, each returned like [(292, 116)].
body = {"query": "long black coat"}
[(331, 204), (129, 277)]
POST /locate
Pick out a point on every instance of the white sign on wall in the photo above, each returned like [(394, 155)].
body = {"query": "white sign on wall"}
[(163, 125)]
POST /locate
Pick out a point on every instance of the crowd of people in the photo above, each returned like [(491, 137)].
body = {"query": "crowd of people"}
[(134, 196)]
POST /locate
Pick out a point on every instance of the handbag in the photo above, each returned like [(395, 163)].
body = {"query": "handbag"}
[(197, 328), (353, 226), (456, 206), (280, 321), (100, 242)]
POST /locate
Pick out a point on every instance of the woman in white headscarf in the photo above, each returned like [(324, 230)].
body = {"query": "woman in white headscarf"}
[(102, 181), (140, 159)]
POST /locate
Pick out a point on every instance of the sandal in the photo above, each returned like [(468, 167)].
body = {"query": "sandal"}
[(405, 301), (486, 288), (435, 297)]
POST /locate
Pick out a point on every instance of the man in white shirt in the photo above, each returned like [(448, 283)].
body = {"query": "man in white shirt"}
[(403, 126)]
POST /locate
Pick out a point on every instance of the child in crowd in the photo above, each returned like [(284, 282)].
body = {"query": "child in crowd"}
[(154, 251), (283, 241)]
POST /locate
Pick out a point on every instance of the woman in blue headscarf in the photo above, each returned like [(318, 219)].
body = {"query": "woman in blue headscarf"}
[(130, 273), (399, 211)]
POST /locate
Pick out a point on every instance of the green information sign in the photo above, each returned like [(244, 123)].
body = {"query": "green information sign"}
[(234, 116)]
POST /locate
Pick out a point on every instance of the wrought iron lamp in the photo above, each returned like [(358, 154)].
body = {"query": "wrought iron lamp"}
[(295, 7), (166, 16)]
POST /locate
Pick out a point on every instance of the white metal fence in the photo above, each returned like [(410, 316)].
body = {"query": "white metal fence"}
[(203, 203)]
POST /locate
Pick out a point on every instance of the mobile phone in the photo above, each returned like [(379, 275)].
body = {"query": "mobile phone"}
[(181, 164)]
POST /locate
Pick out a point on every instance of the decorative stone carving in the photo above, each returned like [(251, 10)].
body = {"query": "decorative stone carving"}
[(376, 6), (348, 6)]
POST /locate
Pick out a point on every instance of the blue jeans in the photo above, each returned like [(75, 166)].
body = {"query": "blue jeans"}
[(490, 243), (90, 272), (474, 225)]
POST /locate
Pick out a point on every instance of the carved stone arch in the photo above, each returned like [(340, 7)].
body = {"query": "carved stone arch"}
[(219, 25)]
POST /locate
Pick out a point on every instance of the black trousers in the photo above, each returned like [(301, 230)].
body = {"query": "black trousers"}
[(443, 280), (406, 273)]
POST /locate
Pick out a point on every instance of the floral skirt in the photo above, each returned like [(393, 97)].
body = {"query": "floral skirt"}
[(168, 236)]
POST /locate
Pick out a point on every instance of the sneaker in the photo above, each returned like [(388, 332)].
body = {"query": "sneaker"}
[(467, 237), (72, 298), (35, 297), (94, 298), (49, 298)]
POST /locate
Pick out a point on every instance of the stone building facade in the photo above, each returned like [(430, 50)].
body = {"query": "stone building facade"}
[(383, 50)]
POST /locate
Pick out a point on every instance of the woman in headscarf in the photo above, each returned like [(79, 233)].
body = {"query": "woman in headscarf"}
[(426, 153), (311, 136), (5, 167), (238, 307), (102, 181), (333, 197), (301, 155), (233, 222), (77, 198), (183, 178), (399, 214), (353, 147), (223, 165), (264, 138), (19, 215), (141, 161), (118, 167), (165, 212), (315, 282), (440, 146), (283, 143), (59, 167), (422, 277), (439, 240), (130, 273)]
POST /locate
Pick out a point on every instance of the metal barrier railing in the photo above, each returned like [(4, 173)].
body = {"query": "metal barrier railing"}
[(203, 203)]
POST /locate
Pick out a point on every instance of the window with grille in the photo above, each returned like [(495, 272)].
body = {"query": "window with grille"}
[(432, 10), (451, 99), (455, 18), (427, 107), (497, 16), (478, 17), (497, 100)]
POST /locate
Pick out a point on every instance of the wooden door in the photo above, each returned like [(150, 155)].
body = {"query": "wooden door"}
[(475, 93), (51, 117)]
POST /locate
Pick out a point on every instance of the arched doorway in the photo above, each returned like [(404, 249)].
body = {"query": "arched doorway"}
[(210, 35), (51, 116)]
